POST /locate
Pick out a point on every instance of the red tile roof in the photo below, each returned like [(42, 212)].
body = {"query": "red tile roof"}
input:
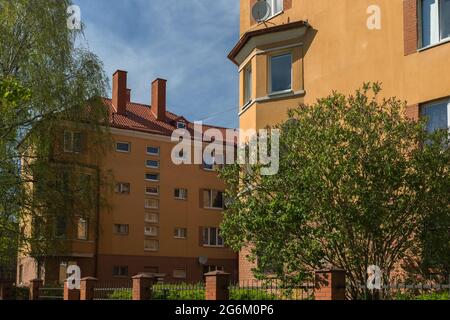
[(139, 118)]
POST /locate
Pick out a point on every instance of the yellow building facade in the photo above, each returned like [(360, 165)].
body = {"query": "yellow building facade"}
[(302, 50)]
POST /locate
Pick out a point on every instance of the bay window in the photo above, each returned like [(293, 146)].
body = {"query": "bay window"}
[(248, 84), (280, 73)]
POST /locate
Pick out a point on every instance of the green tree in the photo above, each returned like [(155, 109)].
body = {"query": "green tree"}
[(48, 81), (359, 184)]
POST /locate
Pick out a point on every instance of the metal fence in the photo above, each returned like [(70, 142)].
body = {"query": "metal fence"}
[(56, 293), (270, 290), (408, 291), (113, 290), (179, 291)]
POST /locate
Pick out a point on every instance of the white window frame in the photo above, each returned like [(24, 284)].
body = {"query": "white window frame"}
[(439, 26), (121, 187), (271, 92), (179, 274), (120, 268), (152, 167), (86, 229), (71, 147), (151, 231), (123, 142), (183, 194), (248, 84), (180, 233), (120, 225), (151, 249), (153, 154), (210, 205), (208, 230), (152, 180), (439, 102), (272, 6), (149, 220), (152, 193), (147, 204)]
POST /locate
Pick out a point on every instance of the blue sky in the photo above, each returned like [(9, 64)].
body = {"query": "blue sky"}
[(185, 42)]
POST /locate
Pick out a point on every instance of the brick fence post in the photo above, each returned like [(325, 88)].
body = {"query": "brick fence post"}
[(142, 287), (87, 288), (329, 284), (6, 288), (35, 285), (217, 283), (71, 294)]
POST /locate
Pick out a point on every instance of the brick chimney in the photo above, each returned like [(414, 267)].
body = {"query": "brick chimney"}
[(128, 95), (119, 95), (159, 99)]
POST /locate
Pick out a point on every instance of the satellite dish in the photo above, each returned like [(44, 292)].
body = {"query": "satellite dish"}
[(261, 10), (203, 260)]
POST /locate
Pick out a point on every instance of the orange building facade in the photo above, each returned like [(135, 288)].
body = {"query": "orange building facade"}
[(302, 50), (159, 218)]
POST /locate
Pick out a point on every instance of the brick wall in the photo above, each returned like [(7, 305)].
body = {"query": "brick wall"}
[(410, 25)]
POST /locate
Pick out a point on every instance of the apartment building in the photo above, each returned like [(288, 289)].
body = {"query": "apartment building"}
[(160, 218), (301, 50)]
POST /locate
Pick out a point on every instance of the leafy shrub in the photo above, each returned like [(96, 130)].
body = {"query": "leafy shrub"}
[(121, 295), (21, 293), (178, 292), (426, 296)]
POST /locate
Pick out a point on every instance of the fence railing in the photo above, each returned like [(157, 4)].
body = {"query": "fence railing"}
[(408, 291), (113, 290), (56, 293), (270, 290), (178, 291)]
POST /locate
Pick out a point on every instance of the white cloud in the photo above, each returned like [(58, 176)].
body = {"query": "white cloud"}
[(185, 42)]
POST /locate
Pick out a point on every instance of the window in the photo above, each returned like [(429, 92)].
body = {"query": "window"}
[(73, 142), (123, 188), (151, 245), (181, 125), (153, 151), (122, 229), (151, 204), (152, 177), (151, 217), (438, 114), (435, 19), (82, 229), (153, 191), (120, 271), (212, 238), (180, 194), (124, 147), (180, 233), (276, 6), (281, 73), (20, 274), (212, 268), (179, 274), (152, 164), (61, 227), (213, 199), (151, 231), (248, 84)]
